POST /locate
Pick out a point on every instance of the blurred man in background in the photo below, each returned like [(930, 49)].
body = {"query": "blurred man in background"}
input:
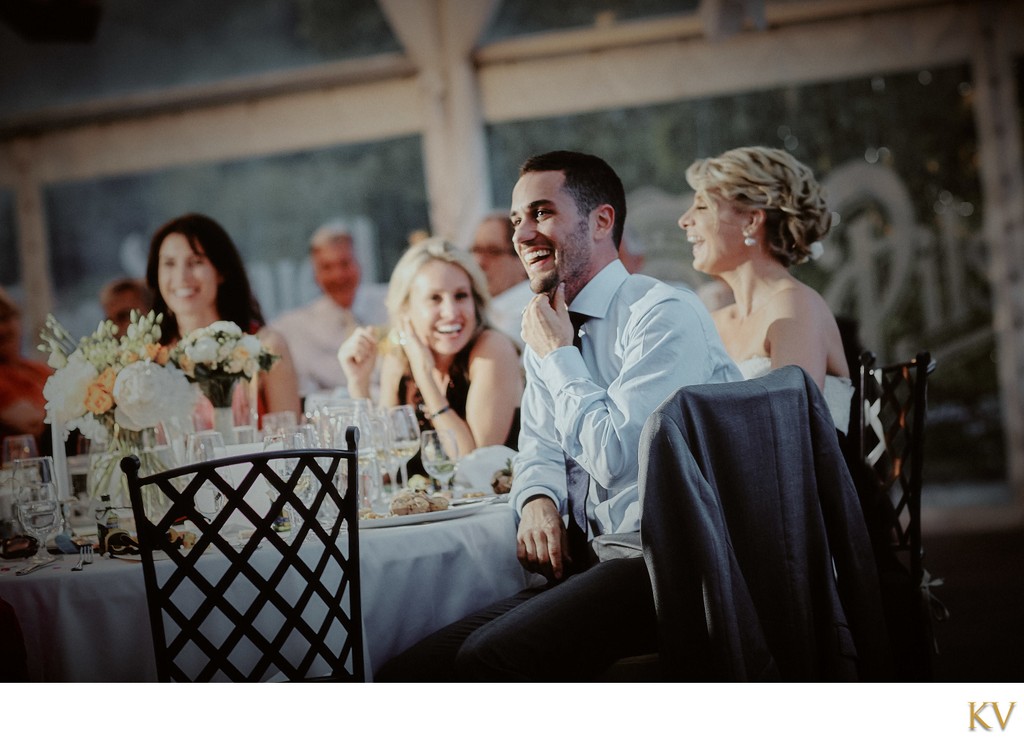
[(315, 331), (120, 296), (506, 277)]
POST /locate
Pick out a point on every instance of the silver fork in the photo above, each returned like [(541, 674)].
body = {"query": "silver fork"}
[(84, 556)]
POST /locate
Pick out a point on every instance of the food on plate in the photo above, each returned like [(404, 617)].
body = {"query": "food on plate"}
[(502, 481), (438, 501), (408, 502)]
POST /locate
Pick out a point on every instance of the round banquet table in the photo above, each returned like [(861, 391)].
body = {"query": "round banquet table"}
[(93, 625)]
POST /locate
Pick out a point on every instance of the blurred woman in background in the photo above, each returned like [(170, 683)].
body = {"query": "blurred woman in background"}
[(197, 278)]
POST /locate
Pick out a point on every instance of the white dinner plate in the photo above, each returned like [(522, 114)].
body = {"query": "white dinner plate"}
[(413, 518)]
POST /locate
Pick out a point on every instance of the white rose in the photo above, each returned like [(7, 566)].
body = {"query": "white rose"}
[(146, 394), (203, 350), (225, 326), (252, 345), (225, 351), (65, 389)]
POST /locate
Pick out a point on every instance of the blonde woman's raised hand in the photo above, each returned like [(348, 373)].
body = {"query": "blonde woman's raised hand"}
[(421, 358), (358, 356)]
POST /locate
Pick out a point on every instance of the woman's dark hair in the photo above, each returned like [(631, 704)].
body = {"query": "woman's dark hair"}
[(235, 300)]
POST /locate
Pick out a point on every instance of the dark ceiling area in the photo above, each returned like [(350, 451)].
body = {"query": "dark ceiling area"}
[(52, 20)]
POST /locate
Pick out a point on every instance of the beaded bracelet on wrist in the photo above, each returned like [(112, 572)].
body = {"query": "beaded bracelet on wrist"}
[(443, 410)]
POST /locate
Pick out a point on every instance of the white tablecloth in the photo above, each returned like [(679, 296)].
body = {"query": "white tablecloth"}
[(93, 625)]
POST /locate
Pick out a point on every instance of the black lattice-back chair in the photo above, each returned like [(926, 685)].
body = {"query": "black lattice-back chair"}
[(251, 566), (893, 404)]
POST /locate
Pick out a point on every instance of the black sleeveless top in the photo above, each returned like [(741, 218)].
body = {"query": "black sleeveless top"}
[(457, 393)]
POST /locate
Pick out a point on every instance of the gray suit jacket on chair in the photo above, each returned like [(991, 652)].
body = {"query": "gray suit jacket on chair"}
[(754, 537)]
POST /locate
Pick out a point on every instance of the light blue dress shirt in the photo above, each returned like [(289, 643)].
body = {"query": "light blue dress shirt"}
[(644, 340)]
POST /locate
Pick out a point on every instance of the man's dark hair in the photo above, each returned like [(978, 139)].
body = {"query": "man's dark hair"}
[(588, 179)]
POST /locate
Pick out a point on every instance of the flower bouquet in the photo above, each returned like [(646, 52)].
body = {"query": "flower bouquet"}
[(218, 357), (114, 390)]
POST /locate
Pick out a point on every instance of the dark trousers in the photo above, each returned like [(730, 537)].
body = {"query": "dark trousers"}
[(569, 631)]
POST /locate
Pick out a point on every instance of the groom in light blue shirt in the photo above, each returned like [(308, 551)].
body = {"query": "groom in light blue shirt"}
[(640, 341)]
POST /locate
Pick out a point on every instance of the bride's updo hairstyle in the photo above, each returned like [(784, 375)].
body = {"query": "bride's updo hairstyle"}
[(770, 179)]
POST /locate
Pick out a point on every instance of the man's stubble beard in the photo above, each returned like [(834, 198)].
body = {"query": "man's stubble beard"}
[(572, 259)]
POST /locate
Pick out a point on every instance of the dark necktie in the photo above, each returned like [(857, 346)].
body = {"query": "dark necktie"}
[(577, 483)]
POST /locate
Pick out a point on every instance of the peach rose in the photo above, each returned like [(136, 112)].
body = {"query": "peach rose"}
[(106, 379), (97, 399)]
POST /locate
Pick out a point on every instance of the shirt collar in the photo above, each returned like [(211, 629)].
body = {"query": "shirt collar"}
[(595, 298)]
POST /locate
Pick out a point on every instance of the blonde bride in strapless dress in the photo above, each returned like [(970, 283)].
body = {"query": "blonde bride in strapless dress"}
[(756, 212)]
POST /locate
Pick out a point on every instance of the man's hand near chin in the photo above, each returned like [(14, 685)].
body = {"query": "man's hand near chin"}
[(541, 542)]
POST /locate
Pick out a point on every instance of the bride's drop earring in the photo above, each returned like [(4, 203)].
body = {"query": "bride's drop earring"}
[(748, 240)]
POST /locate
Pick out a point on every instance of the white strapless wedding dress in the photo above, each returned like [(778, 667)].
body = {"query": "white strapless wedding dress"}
[(838, 391)]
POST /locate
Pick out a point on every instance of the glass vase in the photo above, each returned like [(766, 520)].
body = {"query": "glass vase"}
[(106, 483), (221, 393)]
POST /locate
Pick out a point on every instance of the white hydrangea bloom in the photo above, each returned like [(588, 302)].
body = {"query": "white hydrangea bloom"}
[(145, 393)]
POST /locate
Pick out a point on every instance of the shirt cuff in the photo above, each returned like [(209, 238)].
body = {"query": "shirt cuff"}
[(562, 366)]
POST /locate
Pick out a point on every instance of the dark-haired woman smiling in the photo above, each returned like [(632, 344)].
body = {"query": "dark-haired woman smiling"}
[(198, 278)]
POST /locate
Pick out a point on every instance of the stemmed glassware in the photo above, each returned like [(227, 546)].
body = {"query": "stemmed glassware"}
[(35, 500), (439, 453), (286, 440), (204, 446), (405, 440)]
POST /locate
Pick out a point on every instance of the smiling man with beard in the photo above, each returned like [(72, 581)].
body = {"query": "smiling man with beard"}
[(604, 349)]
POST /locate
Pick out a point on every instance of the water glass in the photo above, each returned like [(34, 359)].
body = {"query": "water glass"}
[(36, 504)]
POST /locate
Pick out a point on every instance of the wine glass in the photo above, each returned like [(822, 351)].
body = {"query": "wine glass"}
[(36, 503), (279, 421), (405, 439), (204, 446), (16, 447), (286, 440), (439, 453)]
